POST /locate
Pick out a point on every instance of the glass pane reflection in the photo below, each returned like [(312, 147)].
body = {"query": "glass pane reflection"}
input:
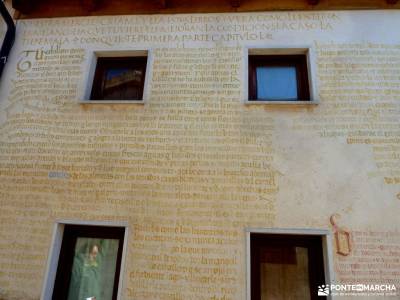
[(276, 83), (122, 83)]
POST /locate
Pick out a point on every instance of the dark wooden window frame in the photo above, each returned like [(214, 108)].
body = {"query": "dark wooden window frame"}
[(65, 261), (313, 243), (299, 61), (105, 63)]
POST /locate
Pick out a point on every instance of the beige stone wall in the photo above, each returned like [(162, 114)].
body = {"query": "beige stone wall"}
[(194, 166)]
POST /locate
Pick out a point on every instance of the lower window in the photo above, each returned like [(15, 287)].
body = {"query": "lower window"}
[(286, 266), (89, 263)]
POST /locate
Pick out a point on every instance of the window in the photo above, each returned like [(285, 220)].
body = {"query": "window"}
[(278, 77), (89, 263), (119, 78), (285, 266)]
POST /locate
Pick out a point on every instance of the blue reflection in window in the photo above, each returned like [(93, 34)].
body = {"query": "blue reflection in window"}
[(276, 83), (112, 73)]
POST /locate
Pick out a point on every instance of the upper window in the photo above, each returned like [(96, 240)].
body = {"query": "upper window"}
[(119, 78), (89, 263), (278, 78)]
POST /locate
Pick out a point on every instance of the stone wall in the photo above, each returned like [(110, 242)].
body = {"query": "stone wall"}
[(194, 166)]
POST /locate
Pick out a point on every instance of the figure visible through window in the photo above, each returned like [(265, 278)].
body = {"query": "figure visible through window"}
[(93, 269), (89, 263)]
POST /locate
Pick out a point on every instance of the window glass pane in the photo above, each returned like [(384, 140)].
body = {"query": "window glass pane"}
[(284, 273), (117, 77), (122, 83), (276, 83), (93, 269)]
